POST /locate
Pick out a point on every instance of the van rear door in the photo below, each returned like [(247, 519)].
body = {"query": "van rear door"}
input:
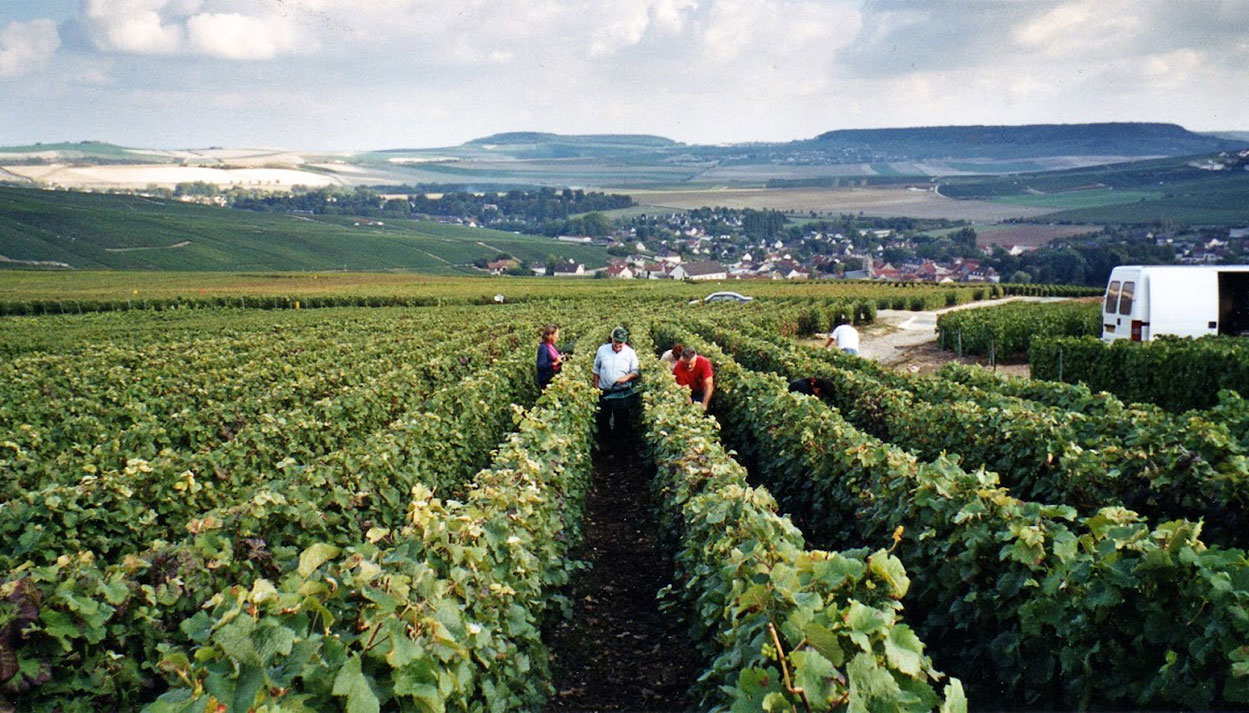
[(1117, 308), (1127, 298), (1110, 308), (1233, 302)]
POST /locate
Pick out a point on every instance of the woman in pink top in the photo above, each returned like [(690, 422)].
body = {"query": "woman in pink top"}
[(549, 358)]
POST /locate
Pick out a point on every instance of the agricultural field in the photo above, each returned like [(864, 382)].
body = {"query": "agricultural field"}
[(885, 202), (1025, 234), (1170, 189), (207, 507), (58, 292), (98, 231), (1097, 197)]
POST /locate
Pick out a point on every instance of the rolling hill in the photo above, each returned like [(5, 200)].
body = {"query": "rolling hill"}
[(945, 143), (530, 158), (1212, 190), (1027, 141), (96, 231)]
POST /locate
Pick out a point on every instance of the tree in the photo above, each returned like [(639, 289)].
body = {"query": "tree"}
[(596, 224)]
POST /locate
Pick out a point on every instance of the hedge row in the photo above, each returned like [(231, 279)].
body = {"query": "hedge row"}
[(804, 318), (160, 304), (1176, 374), (936, 297), (784, 628), (1009, 329), (1047, 290)]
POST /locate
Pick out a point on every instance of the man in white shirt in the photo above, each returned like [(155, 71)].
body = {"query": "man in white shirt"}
[(615, 369), (845, 337), (615, 363)]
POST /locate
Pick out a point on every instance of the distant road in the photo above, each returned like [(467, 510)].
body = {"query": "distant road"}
[(8, 176)]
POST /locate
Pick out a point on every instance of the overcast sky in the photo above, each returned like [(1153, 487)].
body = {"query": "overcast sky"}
[(361, 74)]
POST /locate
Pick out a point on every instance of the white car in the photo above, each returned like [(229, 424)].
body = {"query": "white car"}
[(726, 297)]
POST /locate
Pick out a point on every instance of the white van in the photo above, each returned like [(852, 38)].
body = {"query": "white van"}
[(1143, 302)]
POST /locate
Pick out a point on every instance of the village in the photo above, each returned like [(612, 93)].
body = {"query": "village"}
[(687, 251), (697, 256)]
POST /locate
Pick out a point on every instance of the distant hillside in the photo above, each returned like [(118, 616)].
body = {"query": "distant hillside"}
[(80, 151), (96, 231), (538, 137), (533, 158), (1241, 136), (533, 145), (1209, 190), (937, 150), (1028, 141)]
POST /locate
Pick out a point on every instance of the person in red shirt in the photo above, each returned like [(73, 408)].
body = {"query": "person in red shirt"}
[(695, 372)]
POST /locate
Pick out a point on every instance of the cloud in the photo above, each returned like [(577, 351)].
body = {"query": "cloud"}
[(25, 46), (134, 26), (235, 36), (173, 27), (411, 72), (1076, 29), (621, 25)]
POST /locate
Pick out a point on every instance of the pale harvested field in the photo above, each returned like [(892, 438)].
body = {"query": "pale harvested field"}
[(243, 158), (884, 202), (1029, 235), (100, 177)]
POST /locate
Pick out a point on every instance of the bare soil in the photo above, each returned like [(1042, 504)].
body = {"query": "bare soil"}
[(1029, 235), (619, 652)]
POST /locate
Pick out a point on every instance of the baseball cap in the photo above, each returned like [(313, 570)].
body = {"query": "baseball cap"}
[(620, 334)]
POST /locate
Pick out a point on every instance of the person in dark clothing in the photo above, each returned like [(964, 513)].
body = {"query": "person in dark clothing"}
[(549, 358), (811, 386)]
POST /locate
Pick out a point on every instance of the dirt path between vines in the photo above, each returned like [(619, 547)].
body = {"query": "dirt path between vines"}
[(619, 652)]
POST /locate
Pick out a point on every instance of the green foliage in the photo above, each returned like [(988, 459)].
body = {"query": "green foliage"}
[(444, 612), (1045, 441), (1010, 328), (122, 497), (333, 546), (1176, 374), (1021, 600), (782, 626), (106, 625)]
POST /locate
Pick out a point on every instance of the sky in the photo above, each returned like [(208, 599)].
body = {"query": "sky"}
[(370, 74)]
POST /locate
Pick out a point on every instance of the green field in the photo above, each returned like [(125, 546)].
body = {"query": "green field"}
[(1224, 201), (87, 148), (1137, 192), (1068, 200), (136, 285), (97, 231), (633, 212), (997, 166)]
